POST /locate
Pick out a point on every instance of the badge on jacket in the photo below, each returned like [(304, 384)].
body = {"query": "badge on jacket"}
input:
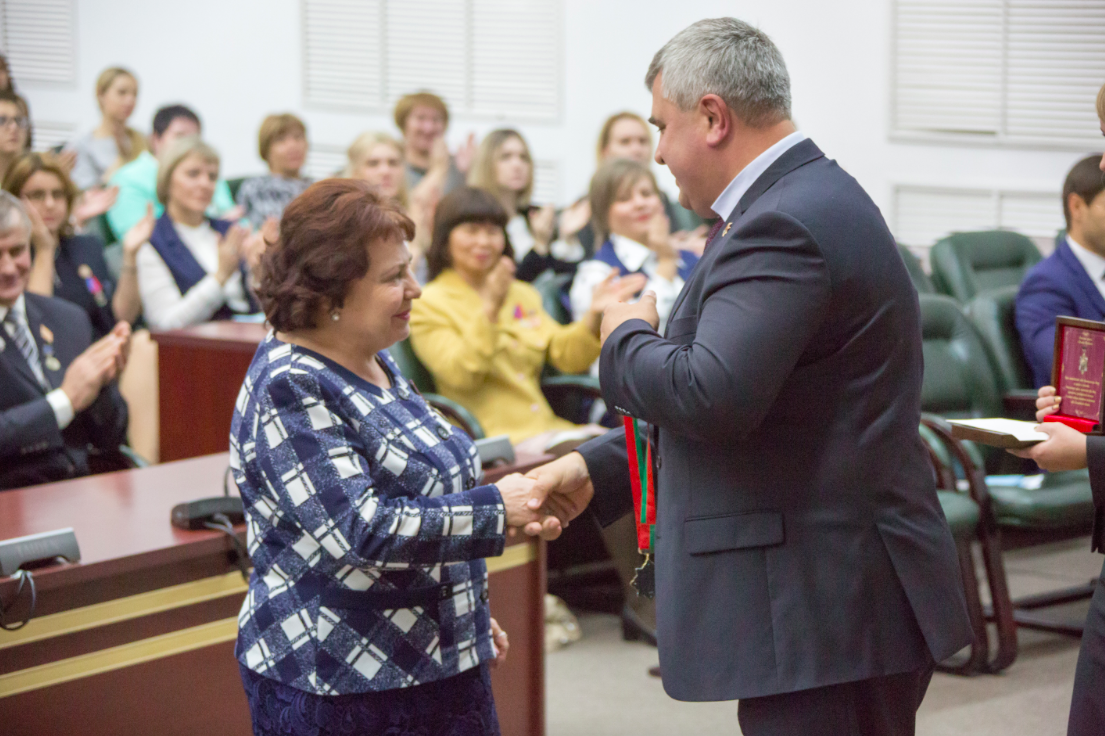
[(47, 334), (95, 288)]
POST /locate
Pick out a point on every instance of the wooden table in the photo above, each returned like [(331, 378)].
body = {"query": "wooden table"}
[(200, 371), (138, 638)]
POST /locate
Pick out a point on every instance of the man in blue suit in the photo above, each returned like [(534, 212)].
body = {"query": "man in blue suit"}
[(803, 563), (1071, 281), (59, 405)]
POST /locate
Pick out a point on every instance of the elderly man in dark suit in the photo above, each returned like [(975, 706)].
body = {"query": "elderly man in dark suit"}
[(58, 400), (803, 563)]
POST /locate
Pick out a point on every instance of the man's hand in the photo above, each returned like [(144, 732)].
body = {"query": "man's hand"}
[(562, 491), (1064, 450), (95, 367), (616, 314)]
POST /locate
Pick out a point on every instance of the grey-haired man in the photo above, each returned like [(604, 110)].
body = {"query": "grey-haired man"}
[(803, 563)]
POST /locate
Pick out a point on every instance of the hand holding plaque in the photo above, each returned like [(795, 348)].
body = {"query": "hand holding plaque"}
[(1078, 374)]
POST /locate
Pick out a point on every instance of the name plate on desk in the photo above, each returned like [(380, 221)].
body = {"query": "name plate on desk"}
[(14, 553), (1078, 374)]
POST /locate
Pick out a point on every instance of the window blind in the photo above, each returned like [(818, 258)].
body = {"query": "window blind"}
[(39, 40)]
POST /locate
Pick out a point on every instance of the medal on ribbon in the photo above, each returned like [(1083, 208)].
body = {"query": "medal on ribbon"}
[(644, 503)]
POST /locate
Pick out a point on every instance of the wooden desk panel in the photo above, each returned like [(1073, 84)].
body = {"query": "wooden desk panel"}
[(200, 371), (138, 638)]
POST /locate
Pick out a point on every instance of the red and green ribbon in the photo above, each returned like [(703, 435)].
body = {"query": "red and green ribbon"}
[(641, 481)]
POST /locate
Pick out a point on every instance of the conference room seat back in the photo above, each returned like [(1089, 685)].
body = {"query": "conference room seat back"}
[(959, 380), (993, 315), (967, 264), (921, 281)]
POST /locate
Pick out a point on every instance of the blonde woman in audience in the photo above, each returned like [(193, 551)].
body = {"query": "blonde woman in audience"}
[(504, 168), (629, 220), (484, 335), (282, 143), (377, 158), (15, 129), (112, 143), (192, 269)]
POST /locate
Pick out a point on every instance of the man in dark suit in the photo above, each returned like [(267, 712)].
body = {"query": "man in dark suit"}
[(803, 563), (58, 400), (1071, 281)]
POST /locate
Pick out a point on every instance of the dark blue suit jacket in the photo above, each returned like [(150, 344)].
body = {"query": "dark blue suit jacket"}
[(800, 542), (1057, 286), (32, 448)]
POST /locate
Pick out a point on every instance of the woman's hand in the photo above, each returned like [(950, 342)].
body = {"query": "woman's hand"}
[(659, 236), (517, 491), (138, 236), (502, 644), (466, 154), (609, 291), (693, 241), (257, 242), (575, 218), (439, 156), (1047, 402), (541, 223), (496, 286), (230, 252), (93, 203)]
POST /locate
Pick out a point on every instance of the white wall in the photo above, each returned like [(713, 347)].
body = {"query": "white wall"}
[(236, 61)]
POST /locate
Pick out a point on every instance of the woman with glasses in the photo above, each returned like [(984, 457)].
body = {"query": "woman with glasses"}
[(15, 129)]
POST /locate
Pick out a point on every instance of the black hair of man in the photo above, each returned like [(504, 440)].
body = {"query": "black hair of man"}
[(164, 117), (1086, 180)]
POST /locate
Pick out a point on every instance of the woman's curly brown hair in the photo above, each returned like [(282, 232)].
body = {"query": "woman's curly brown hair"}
[(325, 237)]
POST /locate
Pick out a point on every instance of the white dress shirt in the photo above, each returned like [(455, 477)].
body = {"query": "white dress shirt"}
[(636, 257), (58, 399), (164, 306), (728, 200), (1092, 262)]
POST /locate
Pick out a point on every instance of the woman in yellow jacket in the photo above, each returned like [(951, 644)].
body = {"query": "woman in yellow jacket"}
[(484, 336)]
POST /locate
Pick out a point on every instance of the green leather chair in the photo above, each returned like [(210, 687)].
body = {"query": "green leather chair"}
[(413, 370), (992, 314), (234, 185), (551, 286), (972, 525), (966, 264), (960, 381), (917, 275)]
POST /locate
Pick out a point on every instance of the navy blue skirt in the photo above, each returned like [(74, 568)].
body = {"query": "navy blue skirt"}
[(461, 705)]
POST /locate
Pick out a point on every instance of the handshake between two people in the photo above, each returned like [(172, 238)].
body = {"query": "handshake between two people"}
[(544, 500)]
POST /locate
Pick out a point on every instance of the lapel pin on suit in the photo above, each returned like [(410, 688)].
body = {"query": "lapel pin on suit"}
[(726, 230), (51, 363)]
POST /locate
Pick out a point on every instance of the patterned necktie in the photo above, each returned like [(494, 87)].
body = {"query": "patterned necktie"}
[(713, 232), (17, 329)]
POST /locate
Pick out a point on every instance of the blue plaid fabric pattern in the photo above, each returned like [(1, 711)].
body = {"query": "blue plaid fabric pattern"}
[(352, 493)]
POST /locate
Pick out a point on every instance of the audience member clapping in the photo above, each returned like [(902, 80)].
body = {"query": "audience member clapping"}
[(377, 158), (423, 119), (15, 129), (282, 143), (629, 219), (68, 265), (504, 168), (137, 181), (484, 335), (59, 407), (101, 151), (191, 270)]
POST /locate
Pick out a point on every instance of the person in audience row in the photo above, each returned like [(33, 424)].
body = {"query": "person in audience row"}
[(484, 335), (368, 602), (7, 84), (192, 270), (101, 151), (68, 265), (423, 118), (377, 158), (137, 181), (1071, 281), (15, 129), (282, 144), (628, 218), (504, 168), (59, 405)]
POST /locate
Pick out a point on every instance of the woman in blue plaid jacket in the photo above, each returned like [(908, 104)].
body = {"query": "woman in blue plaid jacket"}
[(367, 609)]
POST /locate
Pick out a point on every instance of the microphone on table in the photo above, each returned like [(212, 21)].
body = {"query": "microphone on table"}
[(219, 513)]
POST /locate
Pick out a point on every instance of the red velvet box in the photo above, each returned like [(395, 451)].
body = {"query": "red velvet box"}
[(1078, 374)]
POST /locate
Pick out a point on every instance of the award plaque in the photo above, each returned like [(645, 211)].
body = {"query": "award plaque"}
[(1078, 374)]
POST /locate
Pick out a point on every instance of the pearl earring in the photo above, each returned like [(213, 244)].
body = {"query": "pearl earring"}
[(335, 316)]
